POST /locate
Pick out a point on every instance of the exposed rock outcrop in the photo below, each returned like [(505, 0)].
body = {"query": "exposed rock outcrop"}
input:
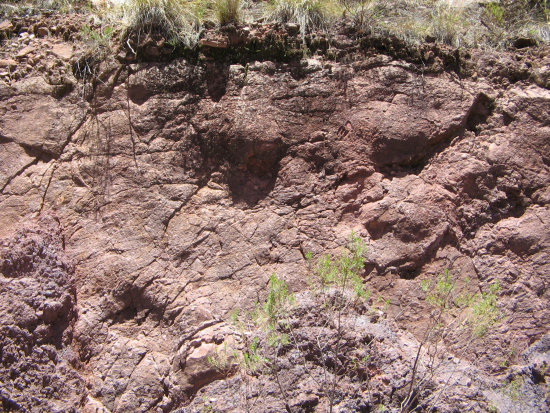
[(180, 186)]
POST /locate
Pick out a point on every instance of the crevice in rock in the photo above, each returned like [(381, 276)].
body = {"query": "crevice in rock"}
[(204, 325), (5, 139), (9, 405), (411, 266), (171, 216), (246, 188), (248, 167), (18, 173), (479, 112), (217, 76), (131, 127), (72, 132), (43, 200)]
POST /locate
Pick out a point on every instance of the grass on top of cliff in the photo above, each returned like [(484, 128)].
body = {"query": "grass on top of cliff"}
[(173, 19), (20, 8), (309, 14), (460, 24), (465, 23)]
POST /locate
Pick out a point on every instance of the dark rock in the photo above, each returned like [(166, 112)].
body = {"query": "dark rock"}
[(522, 42)]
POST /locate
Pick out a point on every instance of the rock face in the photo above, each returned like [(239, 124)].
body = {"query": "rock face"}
[(179, 187), (37, 313)]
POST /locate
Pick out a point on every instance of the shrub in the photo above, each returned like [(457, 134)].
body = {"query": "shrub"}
[(454, 312), (496, 11), (270, 330), (19, 8), (222, 360), (344, 271), (484, 311), (487, 25), (335, 302), (97, 49), (100, 37), (265, 320)]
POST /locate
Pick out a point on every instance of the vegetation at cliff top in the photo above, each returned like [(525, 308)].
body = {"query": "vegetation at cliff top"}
[(486, 24)]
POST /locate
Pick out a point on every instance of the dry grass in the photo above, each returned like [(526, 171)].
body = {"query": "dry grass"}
[(497, 24), (32, 7), (490, 25), (309, 14), (173, 19), (227, 11)]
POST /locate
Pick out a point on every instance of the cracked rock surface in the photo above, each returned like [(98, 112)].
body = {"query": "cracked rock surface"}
[(138, 212)]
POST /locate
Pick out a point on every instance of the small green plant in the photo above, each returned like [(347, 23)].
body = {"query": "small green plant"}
[(268, 318), (101, 37), (363, 13), (483, 306), (496, 11), (446, 23), (252, 360), (273, 314), (449, 306), (485, 312), (512, 389), (438, 296), (336, 287), (206, 406), (278, 301), (221, 361), (345, 270)]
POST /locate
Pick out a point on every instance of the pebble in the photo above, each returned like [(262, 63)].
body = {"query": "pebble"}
[(62, 51), (24, 52), (5, 25), (42, 32), (9, 63)]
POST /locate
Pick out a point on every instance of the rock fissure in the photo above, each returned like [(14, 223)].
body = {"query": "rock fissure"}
[(17, 174), (45, 193)]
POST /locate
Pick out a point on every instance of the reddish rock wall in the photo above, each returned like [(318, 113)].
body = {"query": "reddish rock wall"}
[(179, 188)]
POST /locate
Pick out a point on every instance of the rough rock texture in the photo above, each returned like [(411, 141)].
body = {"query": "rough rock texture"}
[(180, 186), (37, 314)]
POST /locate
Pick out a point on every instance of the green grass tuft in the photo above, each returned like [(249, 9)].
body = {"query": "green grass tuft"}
[(309, 14), (227, 11), (173, 19)]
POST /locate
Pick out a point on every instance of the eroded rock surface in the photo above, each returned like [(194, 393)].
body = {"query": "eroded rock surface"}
[(179, 188), (38, 364)]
